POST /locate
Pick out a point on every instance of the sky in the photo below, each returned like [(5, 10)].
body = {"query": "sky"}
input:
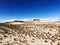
[(20, 9)]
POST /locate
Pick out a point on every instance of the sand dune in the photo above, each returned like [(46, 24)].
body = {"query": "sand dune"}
[(30, 33)]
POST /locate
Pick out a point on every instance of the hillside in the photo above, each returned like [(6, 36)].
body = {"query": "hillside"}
[(30, 33)]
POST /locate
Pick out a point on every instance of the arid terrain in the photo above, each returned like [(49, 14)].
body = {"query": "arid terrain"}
[(30, 33)]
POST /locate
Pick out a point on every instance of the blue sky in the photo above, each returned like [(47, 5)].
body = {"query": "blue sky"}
[(19, 9)]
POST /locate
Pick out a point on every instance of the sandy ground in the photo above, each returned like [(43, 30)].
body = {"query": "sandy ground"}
[(29, 35)]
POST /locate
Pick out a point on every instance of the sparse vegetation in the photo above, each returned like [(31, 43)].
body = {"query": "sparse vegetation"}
[(26, 34)]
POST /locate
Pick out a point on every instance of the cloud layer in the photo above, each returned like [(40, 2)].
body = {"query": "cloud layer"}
[(25, 19)]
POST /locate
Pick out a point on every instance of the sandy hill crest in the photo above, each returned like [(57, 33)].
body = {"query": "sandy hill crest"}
[(30, 33)]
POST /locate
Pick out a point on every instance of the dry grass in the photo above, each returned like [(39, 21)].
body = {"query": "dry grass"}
[(37, 31)]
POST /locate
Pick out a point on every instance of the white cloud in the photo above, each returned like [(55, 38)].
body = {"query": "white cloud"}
[(51, 19), (25, 19), (16, 19), (10, 20)]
